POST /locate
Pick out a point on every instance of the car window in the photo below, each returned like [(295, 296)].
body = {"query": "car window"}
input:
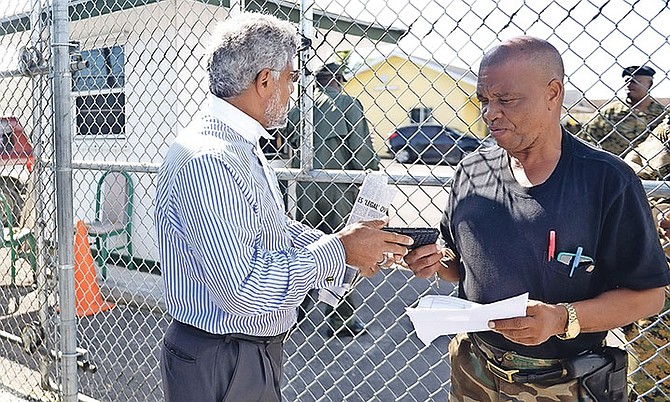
[(430, 131)]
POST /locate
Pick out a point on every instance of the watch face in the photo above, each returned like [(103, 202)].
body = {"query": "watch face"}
[(573, 329)]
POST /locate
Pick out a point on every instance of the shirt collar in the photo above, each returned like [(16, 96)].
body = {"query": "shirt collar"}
[(246, 126)]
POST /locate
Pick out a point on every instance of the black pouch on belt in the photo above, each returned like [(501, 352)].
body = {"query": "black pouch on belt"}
[(608, 383)]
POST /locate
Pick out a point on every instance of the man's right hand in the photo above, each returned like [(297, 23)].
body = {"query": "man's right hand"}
[(432, 259), (366, 246)]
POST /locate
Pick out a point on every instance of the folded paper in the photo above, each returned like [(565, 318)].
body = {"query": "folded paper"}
[(445, 315)]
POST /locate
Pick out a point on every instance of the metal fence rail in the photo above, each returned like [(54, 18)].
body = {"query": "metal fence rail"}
[(95, 86)]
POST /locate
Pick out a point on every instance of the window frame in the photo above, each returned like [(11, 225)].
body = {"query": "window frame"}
[(115, 87)]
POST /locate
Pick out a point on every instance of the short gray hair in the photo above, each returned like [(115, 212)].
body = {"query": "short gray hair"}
[(245, 44)]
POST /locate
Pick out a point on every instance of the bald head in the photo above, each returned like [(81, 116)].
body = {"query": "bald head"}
[(520, 90), (539, 53)]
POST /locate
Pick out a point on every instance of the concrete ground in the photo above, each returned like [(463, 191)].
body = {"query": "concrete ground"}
[(386, 362), (20, 378)]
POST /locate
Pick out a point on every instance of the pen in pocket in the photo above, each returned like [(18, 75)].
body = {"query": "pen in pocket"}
[(568, 258), (552, 245), (575, 262)]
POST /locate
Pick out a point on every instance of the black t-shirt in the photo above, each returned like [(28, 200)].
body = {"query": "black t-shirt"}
[(501, 231)]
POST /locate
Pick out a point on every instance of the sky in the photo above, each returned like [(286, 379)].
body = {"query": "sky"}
[(596, 38)]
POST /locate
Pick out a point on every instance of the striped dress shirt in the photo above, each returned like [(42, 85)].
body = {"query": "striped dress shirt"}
[(231, 260)]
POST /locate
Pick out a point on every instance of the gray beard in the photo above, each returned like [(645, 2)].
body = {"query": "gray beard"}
[(276, 115)]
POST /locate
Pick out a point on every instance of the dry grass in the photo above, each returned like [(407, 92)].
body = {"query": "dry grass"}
[(650, 340)]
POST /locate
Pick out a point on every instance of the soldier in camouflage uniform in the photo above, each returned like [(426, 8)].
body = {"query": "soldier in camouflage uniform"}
[(546, 214), (651, 161), (651, 158), (619, 126), (341, 141)]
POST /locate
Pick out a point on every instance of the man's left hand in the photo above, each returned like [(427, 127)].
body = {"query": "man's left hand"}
[(541, 322)]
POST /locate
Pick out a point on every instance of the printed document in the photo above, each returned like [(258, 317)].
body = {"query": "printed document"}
[(374, 199), (446, 315), (373, 202)]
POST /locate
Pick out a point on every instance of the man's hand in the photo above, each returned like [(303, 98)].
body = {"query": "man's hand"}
[(424, 261), (662, 132), (369, 248), (428, 260), (542, 321)]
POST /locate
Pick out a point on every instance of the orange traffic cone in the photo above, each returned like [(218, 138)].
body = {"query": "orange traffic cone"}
[(87, 291)]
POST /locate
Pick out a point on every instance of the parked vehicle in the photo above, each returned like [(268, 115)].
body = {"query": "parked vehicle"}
[(16, 163), (430, 143)]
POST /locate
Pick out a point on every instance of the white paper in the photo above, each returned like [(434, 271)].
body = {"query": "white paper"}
[(445, 315), (373, 202)]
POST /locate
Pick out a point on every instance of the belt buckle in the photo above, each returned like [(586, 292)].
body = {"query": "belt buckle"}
[(501, 373)]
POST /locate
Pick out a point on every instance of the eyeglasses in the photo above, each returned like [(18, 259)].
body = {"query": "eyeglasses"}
[(294, 75)]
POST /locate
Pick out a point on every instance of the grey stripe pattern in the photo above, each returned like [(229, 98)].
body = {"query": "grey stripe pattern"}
[(231, 260)]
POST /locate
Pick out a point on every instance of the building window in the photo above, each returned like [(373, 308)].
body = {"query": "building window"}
[(98, 89)]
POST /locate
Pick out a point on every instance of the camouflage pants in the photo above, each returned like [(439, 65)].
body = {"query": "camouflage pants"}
[(471, 381)]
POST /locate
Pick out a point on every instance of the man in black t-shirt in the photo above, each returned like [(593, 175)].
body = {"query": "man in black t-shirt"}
[(547, 214)]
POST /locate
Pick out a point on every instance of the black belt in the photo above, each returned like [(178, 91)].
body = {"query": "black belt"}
[(263, 340), (564, 370)]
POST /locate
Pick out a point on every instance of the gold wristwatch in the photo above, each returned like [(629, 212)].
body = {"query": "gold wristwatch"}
[(572, 328)]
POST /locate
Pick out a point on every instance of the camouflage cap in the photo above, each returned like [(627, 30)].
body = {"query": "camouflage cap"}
[(331, 69), (638, 70)]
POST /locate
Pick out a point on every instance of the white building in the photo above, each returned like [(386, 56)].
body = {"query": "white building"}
[(144, 83)]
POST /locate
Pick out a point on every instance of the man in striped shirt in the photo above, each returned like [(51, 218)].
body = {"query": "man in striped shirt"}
[(235, 267)]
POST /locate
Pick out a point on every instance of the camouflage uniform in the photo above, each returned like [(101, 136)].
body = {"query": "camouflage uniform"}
[(618, 128), (662, 133), (651, 158), (472, 381), (341, 141)]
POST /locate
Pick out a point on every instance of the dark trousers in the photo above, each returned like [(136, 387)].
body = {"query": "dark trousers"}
[(197, 366)]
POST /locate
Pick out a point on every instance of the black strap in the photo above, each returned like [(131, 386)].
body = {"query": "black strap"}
[(618, 356), (583, 364), (539, 376), (265, 340), (617, 378)]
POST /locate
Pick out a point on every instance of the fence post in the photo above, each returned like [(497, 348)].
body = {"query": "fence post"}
[(62, 84)]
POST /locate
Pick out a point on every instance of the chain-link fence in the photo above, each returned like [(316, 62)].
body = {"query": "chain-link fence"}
[(136, 77)]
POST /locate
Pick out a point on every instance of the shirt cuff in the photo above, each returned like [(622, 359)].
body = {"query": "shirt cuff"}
[(329, 258)]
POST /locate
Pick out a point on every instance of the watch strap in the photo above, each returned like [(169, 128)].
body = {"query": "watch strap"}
[(572, 318)]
